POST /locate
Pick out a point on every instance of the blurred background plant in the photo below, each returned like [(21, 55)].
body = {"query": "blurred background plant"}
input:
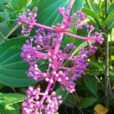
[(94, 91)]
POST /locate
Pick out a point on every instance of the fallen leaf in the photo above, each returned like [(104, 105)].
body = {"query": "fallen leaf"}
[(100, 109)]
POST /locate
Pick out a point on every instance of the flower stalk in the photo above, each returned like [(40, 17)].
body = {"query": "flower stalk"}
[(46, 44)]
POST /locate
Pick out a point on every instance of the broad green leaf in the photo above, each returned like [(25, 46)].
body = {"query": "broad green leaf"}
[(92, 14), (109, 18), (85, 102), (64, 93), (91, 83), (22, 3), (48, 14), (4, 29), (69, 101), (10, 109), (92, 21), (19, 4), (12, 68), (2, 4), (33, 4), (48, 11), (11, 98), (111, 8)]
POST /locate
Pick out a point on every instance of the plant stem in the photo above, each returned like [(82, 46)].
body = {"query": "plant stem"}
[(89, 5), (76, 103), (107, 59), (67, 33), (47, 91), (15, 28)]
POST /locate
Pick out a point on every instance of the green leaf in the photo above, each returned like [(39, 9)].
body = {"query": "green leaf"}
[(109, 18), (86, 102), (111, 8), (4, 29), (11, 98), (10, 109), (48, 11), (91, 83), (97, 65), (2, 6), (79, 44), (33, 4), (64, 94), (69, 101), (92, 21), (111, 73), (19, 4), (12, 68), (89, 5), (92, 14)]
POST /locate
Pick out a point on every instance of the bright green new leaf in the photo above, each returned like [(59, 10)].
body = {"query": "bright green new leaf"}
[(11, 98), (10, 109)]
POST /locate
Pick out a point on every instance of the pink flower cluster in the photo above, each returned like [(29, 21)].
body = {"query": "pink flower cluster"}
[(46, 45), (32, 105)]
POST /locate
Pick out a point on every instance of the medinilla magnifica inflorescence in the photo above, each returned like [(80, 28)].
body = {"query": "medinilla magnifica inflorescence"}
[(46, 45)]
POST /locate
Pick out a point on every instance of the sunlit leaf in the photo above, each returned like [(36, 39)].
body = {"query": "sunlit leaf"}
[(11, 98)]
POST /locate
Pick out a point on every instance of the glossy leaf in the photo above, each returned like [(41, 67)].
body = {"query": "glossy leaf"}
[(19, 4), (12, 68), (11, 98), (4, 29), (2, 4), (91, 83), (111, 8), (48, 11), (48, 14), (91, 5), (92, 14), (109, 18)]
